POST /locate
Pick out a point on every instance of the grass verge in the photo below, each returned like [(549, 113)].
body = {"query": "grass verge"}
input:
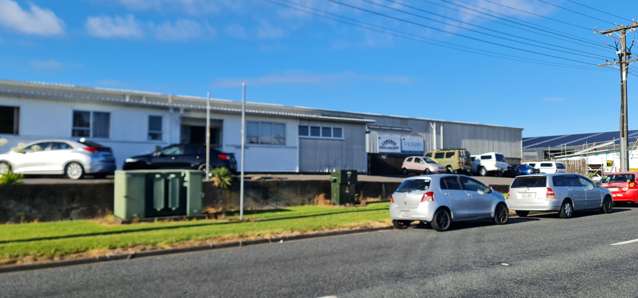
[(37, 242)]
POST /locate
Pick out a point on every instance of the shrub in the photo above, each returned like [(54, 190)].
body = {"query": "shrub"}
[(221, 178), (10, 178)]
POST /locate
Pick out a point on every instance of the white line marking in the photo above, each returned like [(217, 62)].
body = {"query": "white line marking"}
[(625, 242)]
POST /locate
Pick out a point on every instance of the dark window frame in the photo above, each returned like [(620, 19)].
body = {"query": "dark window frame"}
[(90, 130), (153, 133), (13, 124)]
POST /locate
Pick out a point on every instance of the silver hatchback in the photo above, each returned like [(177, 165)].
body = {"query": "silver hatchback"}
[(564, 193), (443, 198)]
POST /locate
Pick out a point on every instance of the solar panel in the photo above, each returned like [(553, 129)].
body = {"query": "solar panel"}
[(558, 141), (569, 139)]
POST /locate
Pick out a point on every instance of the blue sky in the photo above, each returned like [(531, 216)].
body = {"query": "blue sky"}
[(291, 57)]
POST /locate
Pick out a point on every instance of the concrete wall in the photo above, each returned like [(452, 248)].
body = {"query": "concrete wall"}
[(46, 119), (324, 155)]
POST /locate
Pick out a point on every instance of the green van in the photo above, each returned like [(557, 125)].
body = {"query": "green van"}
[(455, 160)]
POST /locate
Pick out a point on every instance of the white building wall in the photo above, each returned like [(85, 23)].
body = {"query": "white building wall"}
[(47, 119)]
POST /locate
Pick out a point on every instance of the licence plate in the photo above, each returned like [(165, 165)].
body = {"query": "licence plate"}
[(528, 195), (613, 189)]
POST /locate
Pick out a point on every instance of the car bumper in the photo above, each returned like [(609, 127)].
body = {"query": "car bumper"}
[(424, 212), (534, 205), (100, 167), (625, 196)]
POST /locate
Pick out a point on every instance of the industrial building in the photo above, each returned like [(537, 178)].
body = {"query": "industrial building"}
[(278, 138)]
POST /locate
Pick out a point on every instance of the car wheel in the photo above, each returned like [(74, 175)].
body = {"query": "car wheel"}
[(608, 205), (427, 172), (4, 168), (74, 171), (482, 171), (404, 172), (567, 209), (522, 213), (441, 220), (449, 169), (401, 224), (501, 214)]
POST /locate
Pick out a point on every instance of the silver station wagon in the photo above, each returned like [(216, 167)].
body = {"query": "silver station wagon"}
[(564, 193), (443, 198)]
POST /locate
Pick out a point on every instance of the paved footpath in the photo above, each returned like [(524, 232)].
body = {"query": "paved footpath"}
[(534, 257)]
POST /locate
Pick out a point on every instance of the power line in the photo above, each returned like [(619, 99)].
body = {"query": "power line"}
[(409, 36), (599, 10), (499, 34), (458, 34), (557, 20), (523, 25), (575, 12)]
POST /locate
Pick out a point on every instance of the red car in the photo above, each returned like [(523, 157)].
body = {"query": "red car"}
[(622, 186)]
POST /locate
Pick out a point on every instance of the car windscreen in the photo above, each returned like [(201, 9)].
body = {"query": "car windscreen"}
[(500, 157), (414, 185), (529, 182), (619, 178), (429, 160), (560, 166)]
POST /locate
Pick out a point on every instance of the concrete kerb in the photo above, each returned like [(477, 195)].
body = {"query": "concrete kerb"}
[(159, 252)]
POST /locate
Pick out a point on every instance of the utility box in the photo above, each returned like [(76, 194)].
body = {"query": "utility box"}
[(157, 193), (343, 186)]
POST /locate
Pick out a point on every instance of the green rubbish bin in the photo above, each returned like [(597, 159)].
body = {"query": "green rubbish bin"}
[(343, 186), (157, 193)]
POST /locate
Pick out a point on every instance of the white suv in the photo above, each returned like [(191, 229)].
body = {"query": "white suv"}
[(418, 164), (489, 163), (549, 167)]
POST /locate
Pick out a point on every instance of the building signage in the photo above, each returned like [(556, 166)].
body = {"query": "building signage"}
[(412, 145), (389, 144)]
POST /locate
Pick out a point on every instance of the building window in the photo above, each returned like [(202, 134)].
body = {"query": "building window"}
[(326, 132), (155, 128), (91, 124), (9, 120), (266, 133)]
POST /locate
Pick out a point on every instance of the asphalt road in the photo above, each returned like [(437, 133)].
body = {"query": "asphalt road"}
[(535, 257)]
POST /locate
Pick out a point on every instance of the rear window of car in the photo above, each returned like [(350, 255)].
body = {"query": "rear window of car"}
[(500, 157), (485, 157), (450, 182), (439, 155), (413, 185), (619, 178), (560, 166), (565, 180), (449, 154), (546, 165), (532, 181)]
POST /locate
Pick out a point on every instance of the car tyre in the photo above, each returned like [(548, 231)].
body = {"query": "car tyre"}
[(501, 214), (608, 205), (449, 169), (4, 168), (521, 213), (566, 209), (74, 171), (482, 172), (401, 224), (427, 172), (442, 220)]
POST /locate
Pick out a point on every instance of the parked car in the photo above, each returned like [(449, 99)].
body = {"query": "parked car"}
[(549, 167), (441, 199), (564, 193), (622, 186), (418, 164), (454, 160), (489, 163), (519, 170), (181, 156), (75, 159)]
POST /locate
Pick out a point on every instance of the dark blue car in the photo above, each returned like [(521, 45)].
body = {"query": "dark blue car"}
[(523, 169)]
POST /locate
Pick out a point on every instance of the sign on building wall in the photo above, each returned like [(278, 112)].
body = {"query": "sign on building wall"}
[(393, 143), (412, 145), (389, 143)]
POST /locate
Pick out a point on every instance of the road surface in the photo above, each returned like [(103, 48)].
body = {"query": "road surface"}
[(534, 257)]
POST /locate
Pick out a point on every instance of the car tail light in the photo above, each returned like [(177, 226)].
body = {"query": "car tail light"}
[(428, 197), (222, 156), (90, 149), (550, 193), (632, 185)]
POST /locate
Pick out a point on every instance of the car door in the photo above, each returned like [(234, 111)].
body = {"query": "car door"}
[(478, 200), (34, 159), (167, 158), (577, 192), (592, 193), (419, 164), (453, 191), (57, 156)]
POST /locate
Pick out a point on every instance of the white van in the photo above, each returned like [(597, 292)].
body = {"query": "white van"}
[(548, 167), (489, 163)]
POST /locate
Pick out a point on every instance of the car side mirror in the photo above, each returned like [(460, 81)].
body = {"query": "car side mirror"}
[(157, 153)]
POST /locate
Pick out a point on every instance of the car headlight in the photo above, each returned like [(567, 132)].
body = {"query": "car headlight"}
[(129, 160)]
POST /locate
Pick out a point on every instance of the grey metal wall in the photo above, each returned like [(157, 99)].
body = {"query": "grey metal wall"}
[(320, 155)]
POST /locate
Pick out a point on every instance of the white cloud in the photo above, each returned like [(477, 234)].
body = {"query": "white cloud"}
[(34, 20), (181, 30), (194, 7), (46, 65), (114, 27), (301, 78)]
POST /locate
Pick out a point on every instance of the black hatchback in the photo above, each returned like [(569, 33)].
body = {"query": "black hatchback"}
[(181, 156)]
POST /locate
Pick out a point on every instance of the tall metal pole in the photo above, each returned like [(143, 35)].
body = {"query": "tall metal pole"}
[(208, 136), (623, 56), (243, 150)]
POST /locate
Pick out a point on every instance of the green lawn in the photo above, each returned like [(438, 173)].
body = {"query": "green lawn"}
[(58, 239)]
